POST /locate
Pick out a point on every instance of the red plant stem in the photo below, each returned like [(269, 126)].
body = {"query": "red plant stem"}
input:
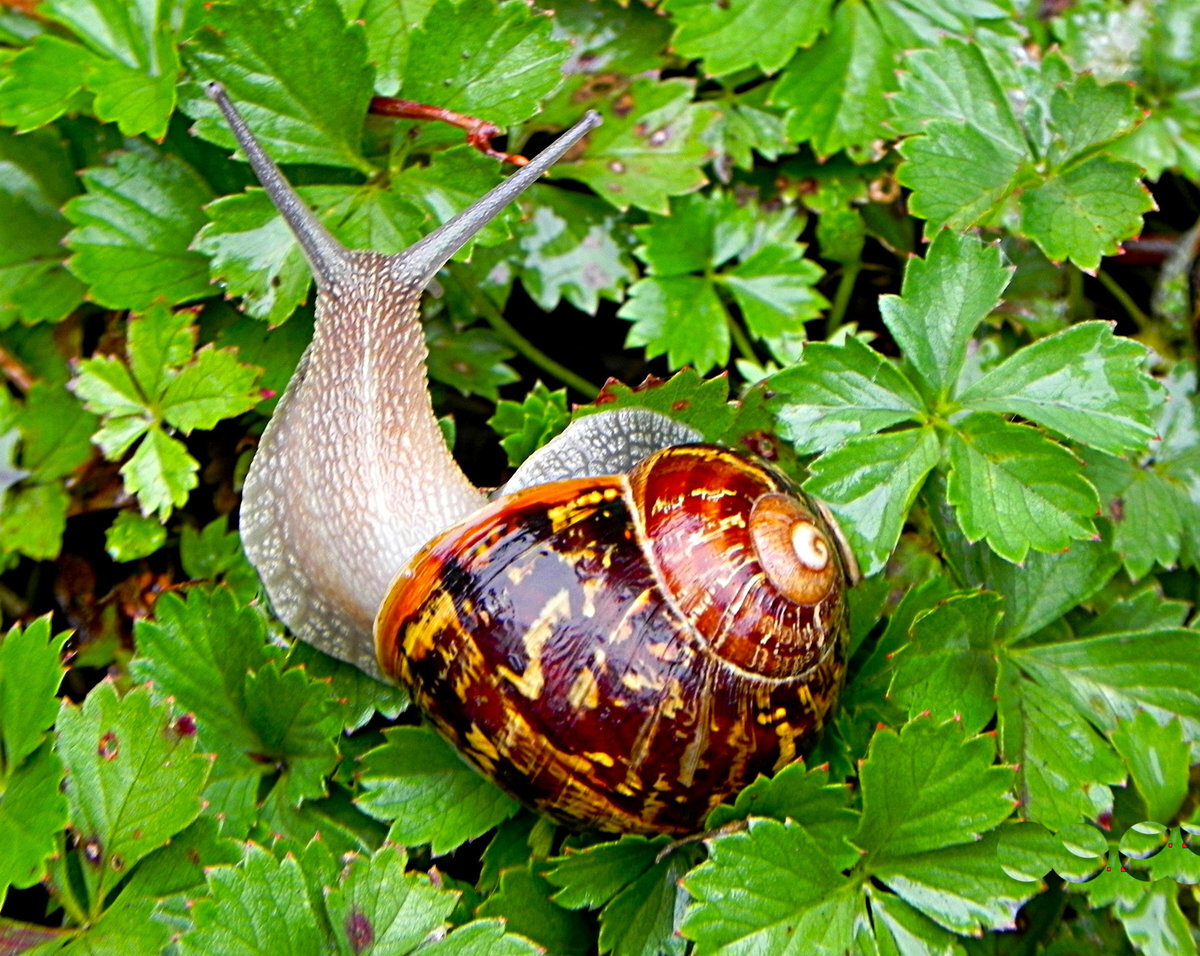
[(480, 133)]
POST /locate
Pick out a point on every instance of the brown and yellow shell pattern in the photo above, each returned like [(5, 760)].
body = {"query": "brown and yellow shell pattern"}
[(626, 652)]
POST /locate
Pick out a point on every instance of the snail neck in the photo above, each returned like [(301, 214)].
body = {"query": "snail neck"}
[(352, 475)]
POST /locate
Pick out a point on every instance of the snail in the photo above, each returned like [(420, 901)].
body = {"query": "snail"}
[(621, 637)]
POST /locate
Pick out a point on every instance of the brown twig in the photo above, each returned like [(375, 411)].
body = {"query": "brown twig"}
[(480, 133), (15, 371)]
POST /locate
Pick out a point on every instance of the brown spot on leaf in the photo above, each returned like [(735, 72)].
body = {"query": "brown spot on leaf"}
[(359, 931), (108, 746)]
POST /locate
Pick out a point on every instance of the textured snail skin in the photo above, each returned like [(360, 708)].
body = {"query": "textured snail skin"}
[(612, 650)]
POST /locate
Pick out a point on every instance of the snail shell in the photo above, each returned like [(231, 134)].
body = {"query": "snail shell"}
[(625, 652)]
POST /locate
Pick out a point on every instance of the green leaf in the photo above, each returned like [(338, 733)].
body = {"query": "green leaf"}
[(160, 473), (523, 902), (744, 33), (641, 919), (930, 786), (1113, 676), (649, 150), (870, 485), (943, 298), (134, 78), (836, 91), (36, 178), (680, 317), (44, 81), (30, 672), (775, 290), (948, 669), (56, 432), (133, 779), (1158, 758), (390, 25), (1016, 488), (496, 61), (430, 795), (1156, 925), (572, 248), (33, 521), (961, 887), (212, 387), (839, 391), (297, 71), (360, 696), (686, 397), (594, 875), (133, 230), (1028, 148), (1082, 382), (800, 897), (258, 907), (296, 723), (525, 426), (474, 361), (1065, 768), (133, 535), (33, 813), (482, 938), (801, 795), (377, 905)]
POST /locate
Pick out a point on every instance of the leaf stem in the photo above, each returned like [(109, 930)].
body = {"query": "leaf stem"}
[(1131, 308), (485, 307), (841, 298), (741, 340)]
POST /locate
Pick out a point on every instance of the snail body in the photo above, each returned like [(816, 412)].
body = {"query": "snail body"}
[(623, 636)]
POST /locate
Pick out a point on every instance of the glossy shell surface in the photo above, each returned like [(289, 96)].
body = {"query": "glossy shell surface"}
[(626, 652)]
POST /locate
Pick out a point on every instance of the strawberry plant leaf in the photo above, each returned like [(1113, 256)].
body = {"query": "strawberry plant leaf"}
[(801, 899), (133, 780), (267, 55), (1082, 382), (35, 180), (943, 299), (948, 668), (932, 785), (573, 249), (1113, 676), (160, 473), (680, 317), (33, 812), (686, 397), (870, 484), (390, 26), (959, 887), (30, 672), (133, 535), (496, 61), (594, 875), (1016, 488), (640, 919), (1065, 768), (648, 151), (482, 937), (44, 81), (1039, 166), (836, 90), (133, 74), (416, 781), (376, 902), (523, 902), (745, 33), (133, 231), (259, 906), (837, 392), (1158, 758), (210, 388)]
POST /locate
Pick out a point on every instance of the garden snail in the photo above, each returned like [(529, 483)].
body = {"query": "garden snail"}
[(626, 634)]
